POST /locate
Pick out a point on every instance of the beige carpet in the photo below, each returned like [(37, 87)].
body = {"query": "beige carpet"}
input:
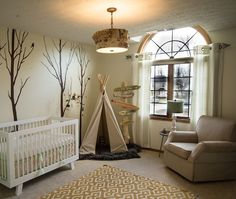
[(111, 182)]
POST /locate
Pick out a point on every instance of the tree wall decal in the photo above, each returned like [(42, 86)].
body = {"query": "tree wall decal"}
[(14, 55), (83, 62), (54, 65)]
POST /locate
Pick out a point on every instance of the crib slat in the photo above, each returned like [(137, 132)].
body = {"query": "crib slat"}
[(40, 150), (44, 148), (17, 158), (74, 147), (47, 147), (59, 146), (60, 143), (54, 147), (27, 154), (37, 151), (51, 150), (31, 153), (70, 143), (74, 141), (63, 142), (35, 154), (67, 141), (5, 162), (22, 155), (1, 157)]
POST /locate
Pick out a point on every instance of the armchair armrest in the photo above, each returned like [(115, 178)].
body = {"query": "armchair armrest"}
[(212, 147), (182, 136)]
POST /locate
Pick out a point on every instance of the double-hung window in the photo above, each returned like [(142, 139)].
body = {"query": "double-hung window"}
[(170, 81)]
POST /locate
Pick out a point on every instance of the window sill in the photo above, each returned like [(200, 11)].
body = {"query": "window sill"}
[(165, 118)]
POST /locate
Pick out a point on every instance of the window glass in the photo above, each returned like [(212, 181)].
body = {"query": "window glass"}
[(182, 88), (159, 86)]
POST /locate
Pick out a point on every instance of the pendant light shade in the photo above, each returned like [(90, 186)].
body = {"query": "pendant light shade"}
[(112, 40)]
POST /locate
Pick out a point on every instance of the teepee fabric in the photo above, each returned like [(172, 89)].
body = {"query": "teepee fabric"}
[(116, 141)]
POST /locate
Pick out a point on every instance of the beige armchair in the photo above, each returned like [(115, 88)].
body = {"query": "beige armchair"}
[(207, 154)]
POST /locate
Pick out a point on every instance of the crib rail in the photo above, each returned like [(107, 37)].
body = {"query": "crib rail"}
[(23, 124)]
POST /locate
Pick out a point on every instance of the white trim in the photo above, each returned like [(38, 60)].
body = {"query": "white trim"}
[(173, 61)]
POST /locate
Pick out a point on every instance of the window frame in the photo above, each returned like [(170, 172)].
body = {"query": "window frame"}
[(147, 38)]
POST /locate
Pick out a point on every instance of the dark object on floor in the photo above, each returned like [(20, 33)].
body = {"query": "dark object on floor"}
[(132, 152)]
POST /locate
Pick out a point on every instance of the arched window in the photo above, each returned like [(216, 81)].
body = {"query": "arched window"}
[(172, 73)]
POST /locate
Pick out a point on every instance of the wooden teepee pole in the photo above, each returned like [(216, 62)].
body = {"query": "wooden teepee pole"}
[(103, 82)]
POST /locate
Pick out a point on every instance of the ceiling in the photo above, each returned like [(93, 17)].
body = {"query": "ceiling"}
[(79, 19)]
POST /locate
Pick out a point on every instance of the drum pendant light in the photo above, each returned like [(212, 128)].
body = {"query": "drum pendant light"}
[(112, 40)]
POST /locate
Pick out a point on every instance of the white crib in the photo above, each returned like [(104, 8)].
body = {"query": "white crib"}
[(30, 148)]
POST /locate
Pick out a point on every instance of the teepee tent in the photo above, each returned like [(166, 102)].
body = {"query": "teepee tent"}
[(103, 119)]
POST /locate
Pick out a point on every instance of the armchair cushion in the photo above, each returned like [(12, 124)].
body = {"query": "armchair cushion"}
[(181, 149)]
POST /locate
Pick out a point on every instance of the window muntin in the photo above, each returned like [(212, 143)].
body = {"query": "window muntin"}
[(172, 81)]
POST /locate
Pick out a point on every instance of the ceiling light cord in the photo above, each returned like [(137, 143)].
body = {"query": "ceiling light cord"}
[(111, 10), (111, 20)]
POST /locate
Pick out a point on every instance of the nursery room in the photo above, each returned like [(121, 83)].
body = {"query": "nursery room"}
[(117, 99)]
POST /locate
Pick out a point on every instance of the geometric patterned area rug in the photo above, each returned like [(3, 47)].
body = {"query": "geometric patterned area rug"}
[(114, 183)]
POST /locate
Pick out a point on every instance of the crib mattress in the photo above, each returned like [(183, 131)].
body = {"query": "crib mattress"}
[(35, 153)]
